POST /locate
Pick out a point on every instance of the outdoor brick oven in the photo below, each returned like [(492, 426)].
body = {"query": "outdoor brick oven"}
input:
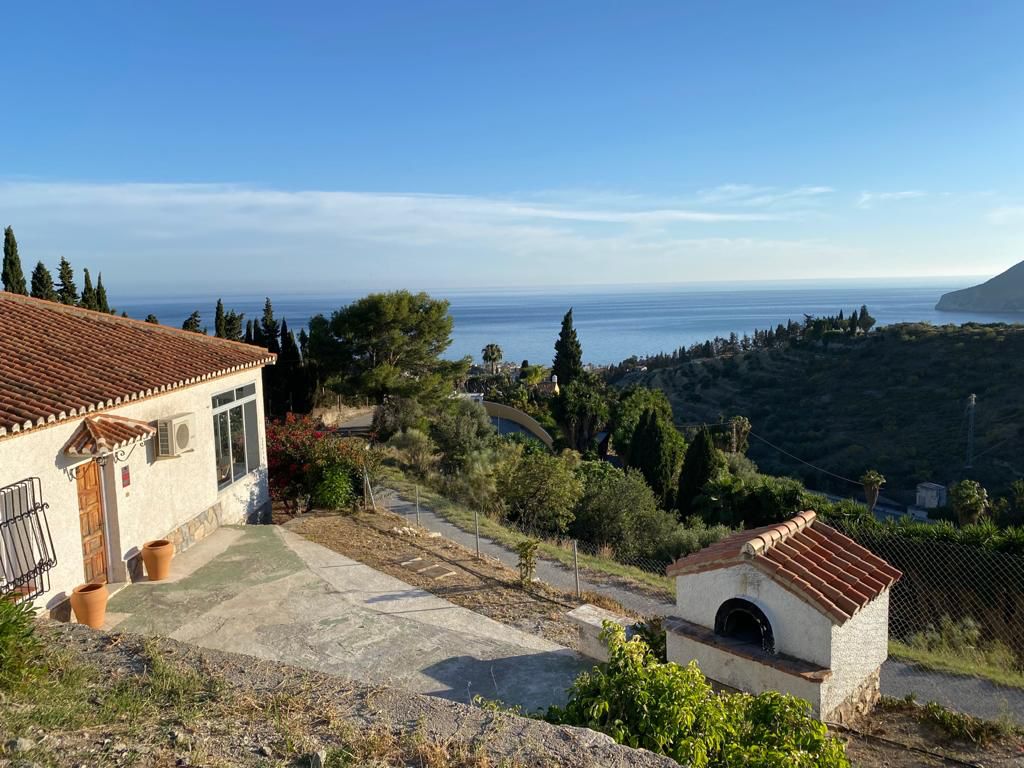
[(795, 607)]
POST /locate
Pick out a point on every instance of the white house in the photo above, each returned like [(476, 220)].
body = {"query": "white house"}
[(114, 432), (795, 607), (931, 495)]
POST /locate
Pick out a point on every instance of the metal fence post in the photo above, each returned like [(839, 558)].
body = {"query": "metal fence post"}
[(576, 566), (476, 520), (417, 504)]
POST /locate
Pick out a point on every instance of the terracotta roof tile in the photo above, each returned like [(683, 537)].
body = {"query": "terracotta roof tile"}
[(105, 433), (59, 362), (830, 571)]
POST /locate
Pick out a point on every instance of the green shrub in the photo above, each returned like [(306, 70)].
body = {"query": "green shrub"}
[(419, 450), (527, 551), (672, 710), (20, 647), (334, 491)]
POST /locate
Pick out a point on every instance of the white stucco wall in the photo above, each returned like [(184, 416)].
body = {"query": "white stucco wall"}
[(858, 649), (800, 630), (163, 494), (738, 672)]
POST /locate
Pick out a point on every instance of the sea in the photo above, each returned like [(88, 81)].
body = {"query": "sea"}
[(613, 322)]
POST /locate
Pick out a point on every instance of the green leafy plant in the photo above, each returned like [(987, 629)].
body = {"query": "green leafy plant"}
[(527, 551), (672, 710), (334, 491), (20, 647), (959, 726)]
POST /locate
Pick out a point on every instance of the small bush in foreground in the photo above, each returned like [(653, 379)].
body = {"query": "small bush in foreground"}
[(20, 648), (672, 710)]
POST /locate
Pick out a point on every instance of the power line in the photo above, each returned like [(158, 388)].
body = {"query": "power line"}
[(807, 463)]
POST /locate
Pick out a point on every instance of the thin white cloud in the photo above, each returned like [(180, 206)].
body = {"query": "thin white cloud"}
[(752, 196), (232, 237), (868, 199)]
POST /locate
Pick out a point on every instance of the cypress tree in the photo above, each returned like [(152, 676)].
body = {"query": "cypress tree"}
[(303, 343), (568, 363), (656, 449), (42, 283), (67, 291), (219, 329), (88, 299), (151, 318), (249, 339), (101, 295), (13, 277), (233, 325), (269, 329), (702, 463)]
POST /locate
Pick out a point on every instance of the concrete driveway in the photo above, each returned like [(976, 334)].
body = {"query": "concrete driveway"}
[(267, 592)]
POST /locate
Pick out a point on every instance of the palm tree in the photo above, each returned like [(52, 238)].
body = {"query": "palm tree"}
[(492, 356), (872, 481)]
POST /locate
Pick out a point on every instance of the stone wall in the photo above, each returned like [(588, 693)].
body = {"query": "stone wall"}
[(859, 703)]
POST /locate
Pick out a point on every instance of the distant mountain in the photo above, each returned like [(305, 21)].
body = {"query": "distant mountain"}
[(1003, 293)]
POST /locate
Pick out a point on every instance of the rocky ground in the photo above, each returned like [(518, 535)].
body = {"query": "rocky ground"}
[(121, 700)]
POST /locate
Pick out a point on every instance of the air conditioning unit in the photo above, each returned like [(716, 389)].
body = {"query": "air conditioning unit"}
[(175, 435)]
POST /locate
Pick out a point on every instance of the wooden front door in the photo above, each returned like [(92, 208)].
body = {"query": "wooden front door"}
[(90, 511)]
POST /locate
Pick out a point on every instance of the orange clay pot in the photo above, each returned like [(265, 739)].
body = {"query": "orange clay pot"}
[(157, 557), (89, 602)]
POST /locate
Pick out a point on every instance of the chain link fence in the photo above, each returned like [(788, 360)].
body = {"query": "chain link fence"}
[(957, 608)]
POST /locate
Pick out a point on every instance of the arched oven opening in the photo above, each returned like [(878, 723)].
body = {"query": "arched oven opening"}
[(742, 620)]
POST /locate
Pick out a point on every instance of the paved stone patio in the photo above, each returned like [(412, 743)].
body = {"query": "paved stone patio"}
[(270, 593)]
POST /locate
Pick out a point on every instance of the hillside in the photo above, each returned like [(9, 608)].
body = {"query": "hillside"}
[(1003, 293), (893, 400)]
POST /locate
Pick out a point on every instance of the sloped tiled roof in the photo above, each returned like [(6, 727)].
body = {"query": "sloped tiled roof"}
[(104, 433), (818, 564), (58, 362)]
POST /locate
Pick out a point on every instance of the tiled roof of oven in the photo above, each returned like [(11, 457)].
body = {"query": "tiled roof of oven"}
[(830, 571), (58, 362)]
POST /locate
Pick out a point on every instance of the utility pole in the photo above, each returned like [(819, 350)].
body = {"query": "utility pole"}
[(971, 402)]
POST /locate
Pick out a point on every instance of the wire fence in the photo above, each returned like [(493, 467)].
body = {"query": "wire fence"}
[(958, 607)]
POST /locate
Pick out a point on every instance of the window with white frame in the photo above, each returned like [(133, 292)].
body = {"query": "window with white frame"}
[(236, 434)]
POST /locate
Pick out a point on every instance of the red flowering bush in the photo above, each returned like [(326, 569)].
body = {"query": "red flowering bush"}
[(300, 455)]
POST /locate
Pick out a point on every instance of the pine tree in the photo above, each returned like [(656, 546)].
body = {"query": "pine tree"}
[(88, 299), (218, 321), (42, 283), (702, 463), (568, 363), (101, 295), (151, 318), (270, 329), (13, 277), (193, 323), (67, 291)]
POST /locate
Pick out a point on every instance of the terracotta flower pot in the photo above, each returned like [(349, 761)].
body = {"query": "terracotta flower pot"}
[(157, 557), (89, 602)]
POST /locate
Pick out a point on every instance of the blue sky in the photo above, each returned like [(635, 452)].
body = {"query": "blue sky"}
[(328, 146)]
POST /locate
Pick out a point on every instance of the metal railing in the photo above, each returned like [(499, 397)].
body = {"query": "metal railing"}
[(26, 547)]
